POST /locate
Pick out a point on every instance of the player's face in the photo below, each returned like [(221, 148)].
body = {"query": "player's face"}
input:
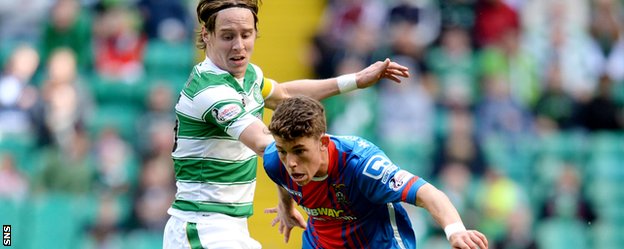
[(232, 43), (303, 158)]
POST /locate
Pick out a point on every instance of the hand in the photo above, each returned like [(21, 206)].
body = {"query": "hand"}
[(381, 69), (469, 239), (287, 220)]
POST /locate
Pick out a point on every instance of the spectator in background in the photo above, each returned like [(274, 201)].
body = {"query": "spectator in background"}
[(518, 231), (105, 230), (458, 13), (459, 145), (497, 198), (556, 32), (70, 27), (66, 102), (555, 109), (160, 16), (406, 108), (119, 45), (453, 63), (493, 18), (601, 112), (155, 192), (154, 120), (68, 169), (566, 199), (18, 97), (499, 115), (116, 164), (13, 184), (21, 21), (509, 60), (422, 16), (607, 32)]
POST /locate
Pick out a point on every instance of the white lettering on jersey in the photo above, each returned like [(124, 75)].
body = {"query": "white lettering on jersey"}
[(377, 166)]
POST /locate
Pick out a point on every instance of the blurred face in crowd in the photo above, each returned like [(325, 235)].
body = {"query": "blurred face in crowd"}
[(231, 44), (304, 157)]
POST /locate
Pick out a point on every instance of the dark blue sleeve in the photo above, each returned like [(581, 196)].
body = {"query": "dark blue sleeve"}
[(381, 181)]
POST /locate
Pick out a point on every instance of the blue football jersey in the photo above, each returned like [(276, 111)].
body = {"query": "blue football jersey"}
[(357, 205)]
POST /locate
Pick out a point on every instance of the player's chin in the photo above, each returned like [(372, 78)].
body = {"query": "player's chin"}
[(300, 179)]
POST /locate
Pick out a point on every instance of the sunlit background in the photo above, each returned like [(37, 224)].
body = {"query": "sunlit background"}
[(515, 109)]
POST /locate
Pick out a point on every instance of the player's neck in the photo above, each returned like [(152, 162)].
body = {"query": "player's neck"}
[(321, 174)]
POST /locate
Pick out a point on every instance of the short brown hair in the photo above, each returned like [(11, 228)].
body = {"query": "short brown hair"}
[(299, 116), (207, 10)]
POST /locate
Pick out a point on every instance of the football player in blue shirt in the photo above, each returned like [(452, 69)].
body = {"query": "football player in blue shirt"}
[(350, 190)]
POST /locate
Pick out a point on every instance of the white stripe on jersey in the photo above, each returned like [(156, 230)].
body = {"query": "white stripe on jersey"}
[(208, 65), (196, 107), (231, 150), (231, 194), (395, 229)]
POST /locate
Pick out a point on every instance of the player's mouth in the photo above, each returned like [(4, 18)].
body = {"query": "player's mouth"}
[(297, 176), (238, 59)]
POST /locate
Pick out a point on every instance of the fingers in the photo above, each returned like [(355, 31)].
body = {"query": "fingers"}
[(480, 239), (398, 72), (270, 210), (274, 221), (392, 77), (471, 240), (287, 235), (394, 65)]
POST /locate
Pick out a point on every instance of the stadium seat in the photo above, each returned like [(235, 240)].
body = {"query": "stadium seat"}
[(165, 58), (562, 234), (55, 222)]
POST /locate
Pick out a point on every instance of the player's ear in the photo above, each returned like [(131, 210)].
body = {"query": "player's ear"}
[(204, 35), (324, 142)]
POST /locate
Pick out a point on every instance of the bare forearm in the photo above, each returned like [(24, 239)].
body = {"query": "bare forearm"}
[(438, 205), (316, 89), (285, 200)]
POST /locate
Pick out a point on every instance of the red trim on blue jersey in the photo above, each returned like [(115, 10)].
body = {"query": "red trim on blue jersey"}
[(407, 188)]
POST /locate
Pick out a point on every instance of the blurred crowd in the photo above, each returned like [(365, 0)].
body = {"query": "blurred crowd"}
[(514, 108)]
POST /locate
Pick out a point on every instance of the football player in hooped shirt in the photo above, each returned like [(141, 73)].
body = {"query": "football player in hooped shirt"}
[(349, 188)]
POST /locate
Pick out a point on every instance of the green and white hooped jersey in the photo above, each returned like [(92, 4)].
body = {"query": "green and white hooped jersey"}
[(214, 171)]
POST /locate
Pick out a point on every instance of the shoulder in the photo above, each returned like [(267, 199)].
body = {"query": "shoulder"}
[(271, 157), (355, 146), (257, 70)]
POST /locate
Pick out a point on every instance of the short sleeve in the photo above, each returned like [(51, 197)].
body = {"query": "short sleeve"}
[(223, 107)]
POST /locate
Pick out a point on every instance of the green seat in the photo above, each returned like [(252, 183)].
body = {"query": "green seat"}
[(564, 145), (140, 239), (54, 222), (164, 58), (562, 234), (109, 91), (117, 116)]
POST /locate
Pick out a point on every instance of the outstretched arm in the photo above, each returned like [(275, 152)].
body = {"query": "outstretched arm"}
[(445, 214), (287, 215), (321, 89)]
